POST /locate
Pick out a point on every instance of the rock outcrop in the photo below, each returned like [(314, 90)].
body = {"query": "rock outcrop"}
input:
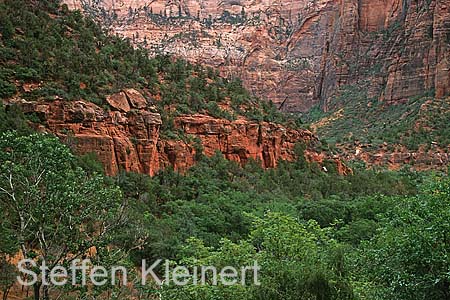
[(298, 53), (121, 140), (242, 140), (127, 136), (395, 159)]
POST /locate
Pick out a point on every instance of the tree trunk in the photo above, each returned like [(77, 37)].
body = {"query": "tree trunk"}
[(37, 291), (6, 293), (46, 295)]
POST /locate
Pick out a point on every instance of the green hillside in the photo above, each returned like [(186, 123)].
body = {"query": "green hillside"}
[(422, 120), (374, 234), (69, 57)]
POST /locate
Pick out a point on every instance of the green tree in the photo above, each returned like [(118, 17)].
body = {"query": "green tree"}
[(12, 118), (7, 89), (409, 258), (55, 211), (297, 260), (6, 27), (8, 275)]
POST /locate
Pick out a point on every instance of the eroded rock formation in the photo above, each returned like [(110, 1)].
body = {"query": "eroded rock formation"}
[(127, 136), (298, 53)]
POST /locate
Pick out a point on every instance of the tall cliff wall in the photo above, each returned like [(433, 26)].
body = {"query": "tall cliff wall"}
[(396, 49), (297, 53)]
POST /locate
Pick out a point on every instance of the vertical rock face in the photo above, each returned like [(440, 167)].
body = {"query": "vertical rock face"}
[(375, 15), (121, 140), (420, 56), (441, 48), (298, 53), (275, 46), (242, 140), (395, 49), (129, 139)]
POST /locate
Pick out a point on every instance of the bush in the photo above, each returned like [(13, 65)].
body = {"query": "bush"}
[(408, 259), (7, 89)]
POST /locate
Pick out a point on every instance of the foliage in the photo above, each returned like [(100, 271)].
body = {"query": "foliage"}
[(354, 117), (408, 259), (296, 260), (8, 275), (6, 89), (72, 58), (55, 210), (306, 227), (12, 118), (181, 206), (303, 225)]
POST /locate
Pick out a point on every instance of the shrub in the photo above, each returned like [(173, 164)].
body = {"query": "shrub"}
[(7, 89)]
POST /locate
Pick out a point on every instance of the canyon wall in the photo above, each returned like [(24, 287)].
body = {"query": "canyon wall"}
[(396, 50), (127, 135), (301, 53)]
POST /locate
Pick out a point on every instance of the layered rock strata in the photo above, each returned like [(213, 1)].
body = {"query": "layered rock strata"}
[(127, 136), (298, 53)]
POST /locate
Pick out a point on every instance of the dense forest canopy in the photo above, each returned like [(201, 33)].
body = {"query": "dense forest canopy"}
[(374, 234)]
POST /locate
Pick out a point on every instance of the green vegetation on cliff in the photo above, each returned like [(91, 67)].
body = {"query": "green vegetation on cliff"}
[(353, 116), (317, 235), (66, 55)]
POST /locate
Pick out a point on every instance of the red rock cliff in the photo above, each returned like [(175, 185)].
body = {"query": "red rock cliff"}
[(396, 49), (298, 53), (127, 137)]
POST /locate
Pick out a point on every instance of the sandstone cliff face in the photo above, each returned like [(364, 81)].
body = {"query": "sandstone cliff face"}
[(298, 53), (127, 137), (121, 140), (396, 49)]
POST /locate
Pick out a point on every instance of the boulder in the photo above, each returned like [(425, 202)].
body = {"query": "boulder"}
[(136, 99), (119, 101)]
